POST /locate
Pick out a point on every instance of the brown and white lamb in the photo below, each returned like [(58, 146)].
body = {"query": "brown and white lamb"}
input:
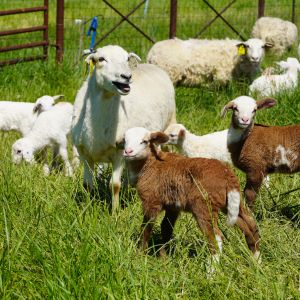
[(174, 183)]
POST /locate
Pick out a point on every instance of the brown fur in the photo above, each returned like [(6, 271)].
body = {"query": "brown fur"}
[(174, 183), (256, 154)]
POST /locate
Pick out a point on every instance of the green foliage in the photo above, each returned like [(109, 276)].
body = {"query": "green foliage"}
[(59, 242)]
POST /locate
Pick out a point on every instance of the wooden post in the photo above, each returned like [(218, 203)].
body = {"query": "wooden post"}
[(46, 24), (173, 18), (59, 30), (293, 10), (261, 8)]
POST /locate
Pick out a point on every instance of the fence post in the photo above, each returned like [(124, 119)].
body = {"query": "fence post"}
[(45, 33), (261, 8), (59, 30), (293, 10), (173, 18)]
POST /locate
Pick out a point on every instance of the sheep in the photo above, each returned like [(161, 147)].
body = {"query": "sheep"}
[(200, 62), (49, 130), (20, 116), (175, 183), (282, 34), (259, 150), (269, 85), (113, 99)]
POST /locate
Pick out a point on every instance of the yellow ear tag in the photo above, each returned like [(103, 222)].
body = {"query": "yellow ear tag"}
[(241, 50), (92, 66)]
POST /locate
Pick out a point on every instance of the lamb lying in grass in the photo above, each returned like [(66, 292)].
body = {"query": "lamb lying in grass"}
[(174, 183)]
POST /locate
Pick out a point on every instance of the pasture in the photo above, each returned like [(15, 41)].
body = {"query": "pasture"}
[(58, 241)]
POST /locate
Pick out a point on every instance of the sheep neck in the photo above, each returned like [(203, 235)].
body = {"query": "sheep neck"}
[(186, 144)]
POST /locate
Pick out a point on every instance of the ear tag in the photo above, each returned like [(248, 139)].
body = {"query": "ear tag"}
[(92, 66), (241, 50)]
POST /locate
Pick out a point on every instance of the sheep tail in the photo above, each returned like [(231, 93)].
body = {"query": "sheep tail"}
[(233, 206)]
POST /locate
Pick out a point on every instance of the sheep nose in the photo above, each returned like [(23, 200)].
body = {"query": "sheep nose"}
[(126, 76), (128, 151), (245, 119), (254, 58)]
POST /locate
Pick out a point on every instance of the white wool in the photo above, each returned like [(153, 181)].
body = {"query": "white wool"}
[(20, 116), (269, 85), (196, 62), (105, 107), (282, 34), (233, 207), (49, 130), (212, 145)]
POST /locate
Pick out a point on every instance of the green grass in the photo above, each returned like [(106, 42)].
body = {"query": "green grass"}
[(58, 242)]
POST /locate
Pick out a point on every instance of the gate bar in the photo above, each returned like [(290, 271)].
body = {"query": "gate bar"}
[(23, 46), (22, 30), (22, 10)]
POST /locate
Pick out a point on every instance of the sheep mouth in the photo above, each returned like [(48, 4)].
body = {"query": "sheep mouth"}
[(123, 88)]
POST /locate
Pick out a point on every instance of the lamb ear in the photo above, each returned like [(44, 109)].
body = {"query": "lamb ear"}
[(134, 60), (181, 133), (229, 105), (266, 103), (158, 137), (57, 97), (37, 108)]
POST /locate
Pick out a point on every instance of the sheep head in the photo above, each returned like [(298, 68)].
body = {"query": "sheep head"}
[(111, 68), (291, 63), (22, 150), (139, 141), (45, 103), (253, 49), (244, 110), (176, 134)]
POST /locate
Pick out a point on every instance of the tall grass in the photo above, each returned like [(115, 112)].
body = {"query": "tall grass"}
[(59, 242)]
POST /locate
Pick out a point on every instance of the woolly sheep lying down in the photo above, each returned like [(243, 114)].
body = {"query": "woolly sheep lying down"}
[(20, 116), (50, 130), (282, 34), (199, 62), (270, 85)]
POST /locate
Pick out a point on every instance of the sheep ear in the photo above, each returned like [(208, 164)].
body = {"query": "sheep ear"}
[(90, 61), (229, 105), (181, 133), (57, 97), (37, 108), (158, 137), (133, 59), (268, 45), (266, 103), (242, 48)]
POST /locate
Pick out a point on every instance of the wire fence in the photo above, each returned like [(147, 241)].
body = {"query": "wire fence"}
[(153, 18)]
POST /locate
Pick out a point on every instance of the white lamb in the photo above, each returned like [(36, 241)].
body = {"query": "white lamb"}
[(49, 130), (200, 62), (20, 116), (282, 34), (212, 145), (113, 99), (269, 85)]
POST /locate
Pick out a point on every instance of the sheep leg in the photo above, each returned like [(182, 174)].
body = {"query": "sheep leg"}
[(43, 157), (253, 184), (88, 167), (64, 155), (248, 226), (55, 152), (116, 181), (75, 159), (167, 227)]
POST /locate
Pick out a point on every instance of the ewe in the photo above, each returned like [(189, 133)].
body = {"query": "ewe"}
[(174, 183), (269, 85), (196, 62), (260, 150), (113, 99), (20, 116), (281, 34), (49, 130)]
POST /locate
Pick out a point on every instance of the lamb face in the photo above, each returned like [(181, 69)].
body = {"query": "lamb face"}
[(22, 150), (136, 143), (112, 69), (176, 133)]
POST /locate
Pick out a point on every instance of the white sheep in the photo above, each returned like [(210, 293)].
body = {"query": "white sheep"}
[(200, 62), (212, 145), (269, 85), (113, 99), (282, 34), (20, 116), (50, 129)]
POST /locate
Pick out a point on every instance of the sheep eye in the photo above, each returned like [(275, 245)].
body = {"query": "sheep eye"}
[(235, 109), (19, 151), (102, 59), (144, 142), (172, 135)]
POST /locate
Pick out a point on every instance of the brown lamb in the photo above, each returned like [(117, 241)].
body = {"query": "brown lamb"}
[(174, 183)]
